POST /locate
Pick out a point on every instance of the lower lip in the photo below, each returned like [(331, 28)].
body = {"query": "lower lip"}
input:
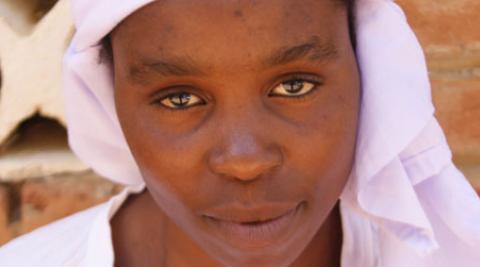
[(259, 234)]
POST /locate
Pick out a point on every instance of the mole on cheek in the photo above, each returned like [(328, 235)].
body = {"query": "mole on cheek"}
[(238, 13), (168, 29)]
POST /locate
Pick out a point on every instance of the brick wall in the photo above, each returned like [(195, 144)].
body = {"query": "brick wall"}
[(41, 180)]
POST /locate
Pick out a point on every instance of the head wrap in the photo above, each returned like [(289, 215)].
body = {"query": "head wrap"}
[(402, 170)]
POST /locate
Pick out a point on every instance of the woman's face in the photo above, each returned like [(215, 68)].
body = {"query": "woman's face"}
[(242, 118)]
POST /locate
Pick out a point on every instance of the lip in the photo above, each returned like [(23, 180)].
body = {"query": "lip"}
[(239, 213), (255, 227)]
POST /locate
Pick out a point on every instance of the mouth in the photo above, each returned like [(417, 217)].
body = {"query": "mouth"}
[(255, 228)]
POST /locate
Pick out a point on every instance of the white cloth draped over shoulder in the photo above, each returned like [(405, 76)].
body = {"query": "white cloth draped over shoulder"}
[(405, 204)]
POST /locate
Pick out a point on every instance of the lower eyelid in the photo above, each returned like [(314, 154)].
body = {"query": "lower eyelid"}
[(304, 97)]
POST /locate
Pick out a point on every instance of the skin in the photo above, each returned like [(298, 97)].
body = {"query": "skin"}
[(239, 137)]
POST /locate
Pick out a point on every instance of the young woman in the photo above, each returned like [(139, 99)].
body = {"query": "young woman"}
[(256, 133)]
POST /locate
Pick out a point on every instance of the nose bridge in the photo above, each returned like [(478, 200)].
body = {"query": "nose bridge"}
[(243, 149)]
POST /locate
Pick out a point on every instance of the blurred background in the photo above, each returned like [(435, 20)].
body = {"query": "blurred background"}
[(41, 180)]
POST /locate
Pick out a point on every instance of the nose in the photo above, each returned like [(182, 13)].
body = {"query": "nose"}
[(244, 157)]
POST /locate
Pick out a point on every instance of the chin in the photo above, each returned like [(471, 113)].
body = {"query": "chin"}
[(262, 257)]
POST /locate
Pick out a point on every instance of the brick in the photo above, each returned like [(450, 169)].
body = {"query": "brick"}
[(5, 233), (446, 22), (472, 172), (448, 32), (458, 110), (45, 200)]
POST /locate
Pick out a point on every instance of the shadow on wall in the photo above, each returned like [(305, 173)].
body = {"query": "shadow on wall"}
[(35, 132), (37, 148)]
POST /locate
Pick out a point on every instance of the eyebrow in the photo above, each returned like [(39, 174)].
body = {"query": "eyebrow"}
[(173, 67), (313, 50)]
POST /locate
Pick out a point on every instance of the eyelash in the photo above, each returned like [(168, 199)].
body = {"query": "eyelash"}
[(314, 80)]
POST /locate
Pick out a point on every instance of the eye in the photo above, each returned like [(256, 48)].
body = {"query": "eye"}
[(294, 88), (181, 100)]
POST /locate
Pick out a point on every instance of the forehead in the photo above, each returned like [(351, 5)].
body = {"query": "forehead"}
[(235, 31)]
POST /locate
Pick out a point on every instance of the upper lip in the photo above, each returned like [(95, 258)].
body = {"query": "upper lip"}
[(240, 213)]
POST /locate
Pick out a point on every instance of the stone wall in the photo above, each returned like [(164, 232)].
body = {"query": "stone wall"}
[(41, 180)]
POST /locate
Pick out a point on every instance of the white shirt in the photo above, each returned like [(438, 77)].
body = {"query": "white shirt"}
[(84, 239)]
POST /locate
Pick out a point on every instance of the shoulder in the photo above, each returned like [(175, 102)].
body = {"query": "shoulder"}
[(61, 243)]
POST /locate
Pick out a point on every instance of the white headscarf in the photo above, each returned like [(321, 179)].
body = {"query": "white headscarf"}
[(403, 169)]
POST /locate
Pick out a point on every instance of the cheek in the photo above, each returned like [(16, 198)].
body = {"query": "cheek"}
[(323, 150), (173, 173), (171, 164)]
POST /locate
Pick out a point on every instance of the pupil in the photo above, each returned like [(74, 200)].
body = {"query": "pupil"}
[(294, 86), (181, 99)]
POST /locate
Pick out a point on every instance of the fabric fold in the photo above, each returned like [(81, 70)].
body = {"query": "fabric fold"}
[(396, 128), (94, 132)]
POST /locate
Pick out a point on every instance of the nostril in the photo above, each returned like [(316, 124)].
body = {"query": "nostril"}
[(244, 168)]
